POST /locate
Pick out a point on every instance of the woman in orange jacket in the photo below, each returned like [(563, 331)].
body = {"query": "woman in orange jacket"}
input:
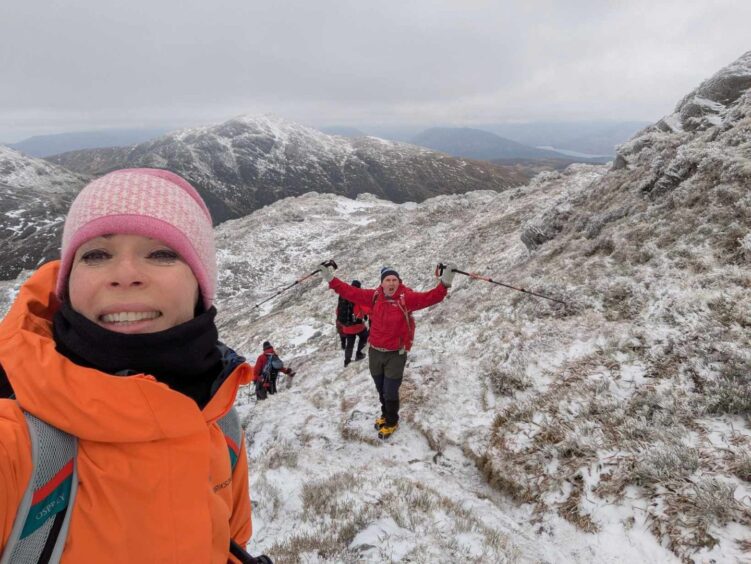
[(115, 344)]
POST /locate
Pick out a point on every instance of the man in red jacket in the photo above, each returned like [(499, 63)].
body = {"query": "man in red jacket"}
[(266, 369), (392, 330)]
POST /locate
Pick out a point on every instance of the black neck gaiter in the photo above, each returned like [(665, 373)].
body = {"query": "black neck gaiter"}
[(184, 357)]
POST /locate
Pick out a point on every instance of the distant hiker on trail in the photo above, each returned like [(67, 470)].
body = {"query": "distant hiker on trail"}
[(392, 330), (267, 368), (122, 387), (350, 323)]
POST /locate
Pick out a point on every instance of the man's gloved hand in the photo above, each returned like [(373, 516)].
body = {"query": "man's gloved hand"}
[(327, 272), (447, 276), (291, 373)]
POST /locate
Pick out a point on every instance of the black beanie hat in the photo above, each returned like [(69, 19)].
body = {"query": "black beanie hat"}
[(267, 345), (357, 284), (388, 271)]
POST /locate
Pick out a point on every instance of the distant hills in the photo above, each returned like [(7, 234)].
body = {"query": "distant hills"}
[(47, 145), (574, 138), (238, 166), (478, 144), (588, 137), (252, 161)]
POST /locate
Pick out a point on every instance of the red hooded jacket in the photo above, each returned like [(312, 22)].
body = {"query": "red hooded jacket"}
[(391, 323)]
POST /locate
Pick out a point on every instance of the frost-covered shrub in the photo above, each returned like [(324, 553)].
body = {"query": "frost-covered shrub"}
[(281, 454), (622, 299), (665, 463), (323, 497), (506, 374), (542, 229), (741, 466), (322, 542), (745, 245), (731, 242), (730, 392), (714, 501)]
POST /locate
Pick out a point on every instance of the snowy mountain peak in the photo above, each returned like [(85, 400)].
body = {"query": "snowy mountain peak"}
[(709, 103), (21, 171)]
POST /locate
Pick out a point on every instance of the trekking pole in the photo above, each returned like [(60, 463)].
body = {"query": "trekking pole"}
[(299, 280), (239, 552), (475, 276)]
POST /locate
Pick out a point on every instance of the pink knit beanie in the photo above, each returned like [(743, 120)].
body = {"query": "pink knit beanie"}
[(149, 202)]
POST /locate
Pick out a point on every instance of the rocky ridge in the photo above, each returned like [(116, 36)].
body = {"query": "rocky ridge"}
[(34, 196), (250, 161)]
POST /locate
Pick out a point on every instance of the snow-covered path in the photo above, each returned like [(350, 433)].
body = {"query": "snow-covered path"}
[(318, 470)]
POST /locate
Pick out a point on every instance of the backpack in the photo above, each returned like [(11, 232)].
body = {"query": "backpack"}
[(345, 312), (41, 524), (272, 367)]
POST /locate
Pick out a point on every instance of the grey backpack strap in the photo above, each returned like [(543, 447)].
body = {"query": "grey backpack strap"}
[(43, 517), (233, 434)]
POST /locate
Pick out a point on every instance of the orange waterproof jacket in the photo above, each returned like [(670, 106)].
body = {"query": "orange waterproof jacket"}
[(155, 480)]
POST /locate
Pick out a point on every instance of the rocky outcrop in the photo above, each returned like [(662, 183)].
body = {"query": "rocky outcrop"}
[(34, 196)]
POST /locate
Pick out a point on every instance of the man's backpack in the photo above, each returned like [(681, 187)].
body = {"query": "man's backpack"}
[(345, 312), (272, 367), (41, 525)]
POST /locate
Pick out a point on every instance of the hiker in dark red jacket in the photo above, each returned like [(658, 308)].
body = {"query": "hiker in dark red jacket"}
[(350, 324), (392, 330), (266, 369)]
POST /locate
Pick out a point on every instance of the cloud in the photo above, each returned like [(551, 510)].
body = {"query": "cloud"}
[(83, 64)]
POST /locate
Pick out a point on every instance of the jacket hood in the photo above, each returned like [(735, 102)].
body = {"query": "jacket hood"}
[(83, 401)]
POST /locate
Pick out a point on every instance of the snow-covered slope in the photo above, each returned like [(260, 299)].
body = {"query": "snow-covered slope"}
[(251, 161), (616, 428), (21, 171), (501, 389), (613, 429), (34, 196)]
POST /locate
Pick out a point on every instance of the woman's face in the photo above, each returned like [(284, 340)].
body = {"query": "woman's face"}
[(132, 284)]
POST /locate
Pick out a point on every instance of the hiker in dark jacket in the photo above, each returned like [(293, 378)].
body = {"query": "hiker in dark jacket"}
[(392, 330), (351, 324), (266, 369)]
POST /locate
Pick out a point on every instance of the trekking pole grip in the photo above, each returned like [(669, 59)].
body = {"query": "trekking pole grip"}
[(331, 263)]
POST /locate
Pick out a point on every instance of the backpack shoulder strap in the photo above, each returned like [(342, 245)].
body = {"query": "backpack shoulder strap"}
[(41, 524), (233, 434)]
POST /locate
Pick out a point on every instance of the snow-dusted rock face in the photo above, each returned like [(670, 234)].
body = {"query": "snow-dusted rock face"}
[(712, 101), (34, 196), (20, 171), (249, 162)]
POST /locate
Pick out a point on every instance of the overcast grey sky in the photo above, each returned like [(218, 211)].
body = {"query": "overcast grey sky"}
[(88, 64)]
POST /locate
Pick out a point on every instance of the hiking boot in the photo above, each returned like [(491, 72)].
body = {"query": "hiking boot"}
[(380, 422), (387, 431), (359, 356), (346, 362)]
